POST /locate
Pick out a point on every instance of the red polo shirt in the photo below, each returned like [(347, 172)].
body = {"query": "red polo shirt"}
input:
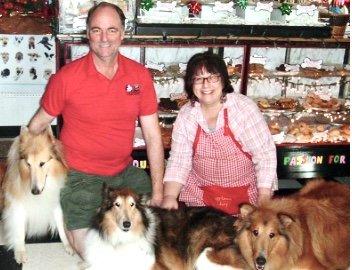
[(99, 114)]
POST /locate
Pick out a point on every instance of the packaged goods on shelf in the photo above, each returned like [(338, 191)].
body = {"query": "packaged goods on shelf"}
[(73, 14)]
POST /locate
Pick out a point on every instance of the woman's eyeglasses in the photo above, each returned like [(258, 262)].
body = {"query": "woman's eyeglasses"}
[(214, 78)]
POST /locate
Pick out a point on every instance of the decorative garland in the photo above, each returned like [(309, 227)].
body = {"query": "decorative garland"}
[(147, 4), (242, 4), (35, 8), (286, 8), (194, 8)]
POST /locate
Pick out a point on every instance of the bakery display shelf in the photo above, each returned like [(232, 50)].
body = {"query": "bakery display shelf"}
[(218, 41), (160, 40), (236, 30), (303, 74), (313, 145)]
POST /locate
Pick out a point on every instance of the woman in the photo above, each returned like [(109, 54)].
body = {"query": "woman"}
[(222, 151)]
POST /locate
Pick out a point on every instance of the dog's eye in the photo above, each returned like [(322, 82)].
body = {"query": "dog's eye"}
[(132, 204), (255, 232), (41, 164), (117, 204), (271, 235)]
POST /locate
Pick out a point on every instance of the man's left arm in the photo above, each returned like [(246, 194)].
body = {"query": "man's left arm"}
[(155, 152)]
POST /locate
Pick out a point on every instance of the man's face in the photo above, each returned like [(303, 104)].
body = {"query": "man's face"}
[(105, 33)]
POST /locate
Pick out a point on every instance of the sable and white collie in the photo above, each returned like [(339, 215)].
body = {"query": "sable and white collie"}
[(122, 235), (308, 230), (35, 173), (128, 234)]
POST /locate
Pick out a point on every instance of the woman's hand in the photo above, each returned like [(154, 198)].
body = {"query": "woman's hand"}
[(264, 194), (169, 202)]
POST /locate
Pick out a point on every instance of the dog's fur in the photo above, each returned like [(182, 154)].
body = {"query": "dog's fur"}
[(128, 234), (35, 173), (306, 231)]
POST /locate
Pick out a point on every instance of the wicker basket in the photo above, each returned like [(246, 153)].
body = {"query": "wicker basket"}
[(338, 24)]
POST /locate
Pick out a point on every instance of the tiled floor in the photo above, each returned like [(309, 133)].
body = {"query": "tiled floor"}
[(43, 254)]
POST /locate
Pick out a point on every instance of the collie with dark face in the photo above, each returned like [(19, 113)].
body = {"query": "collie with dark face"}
[(306, 231), (123, 234), (34, 176), (128, 234)]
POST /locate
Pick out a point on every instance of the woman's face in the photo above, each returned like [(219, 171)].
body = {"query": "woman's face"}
[(207, 87)]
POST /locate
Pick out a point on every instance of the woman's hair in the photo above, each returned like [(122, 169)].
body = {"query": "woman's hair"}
[(106, 4), (210, 62)]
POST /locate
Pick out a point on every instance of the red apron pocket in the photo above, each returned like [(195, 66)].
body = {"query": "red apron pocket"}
[(226, 199)]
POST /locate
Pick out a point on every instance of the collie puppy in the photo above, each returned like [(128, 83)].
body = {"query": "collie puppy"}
[(35, 173), (307, 231), (123, 234), (128, 234)]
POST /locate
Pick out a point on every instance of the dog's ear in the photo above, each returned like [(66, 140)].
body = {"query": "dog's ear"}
[(144, 199), (106, 196), (24, 130), (24, 134), (105, 190), (49, 132), (285, 219), (58, 151), (246, 209), (240, 224)]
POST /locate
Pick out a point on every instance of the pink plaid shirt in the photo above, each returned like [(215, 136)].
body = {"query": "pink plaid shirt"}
[(249, 128)]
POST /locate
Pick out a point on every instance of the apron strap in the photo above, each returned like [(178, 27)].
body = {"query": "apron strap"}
[(228, 132), (196, 139)]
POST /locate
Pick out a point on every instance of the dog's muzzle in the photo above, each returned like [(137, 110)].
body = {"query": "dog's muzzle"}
[(260, 263), (36, 191), (126, 226)]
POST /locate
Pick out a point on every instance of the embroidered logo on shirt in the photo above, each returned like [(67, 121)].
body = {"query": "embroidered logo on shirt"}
[(132, 89)]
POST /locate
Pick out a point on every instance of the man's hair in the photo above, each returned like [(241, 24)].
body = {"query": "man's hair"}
[(106, 4)]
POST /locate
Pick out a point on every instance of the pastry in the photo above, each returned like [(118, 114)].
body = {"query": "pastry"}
[(274, 128), (287, 103), (263, 104)]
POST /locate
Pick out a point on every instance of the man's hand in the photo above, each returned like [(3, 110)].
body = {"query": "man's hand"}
[(156, 200)]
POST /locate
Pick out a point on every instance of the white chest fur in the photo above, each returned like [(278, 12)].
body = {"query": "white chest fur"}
[(100, 254)]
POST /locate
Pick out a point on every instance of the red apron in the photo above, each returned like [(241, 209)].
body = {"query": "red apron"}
[(222, 174)]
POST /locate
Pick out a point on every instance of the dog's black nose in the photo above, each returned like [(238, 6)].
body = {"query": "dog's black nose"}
[(260, 260), (35, 191), (126, 224)]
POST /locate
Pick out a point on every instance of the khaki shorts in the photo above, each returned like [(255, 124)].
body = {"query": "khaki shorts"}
[(82, 194)]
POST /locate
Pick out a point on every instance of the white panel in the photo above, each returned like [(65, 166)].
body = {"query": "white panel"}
[(170, 55), (274, 56), (329, 56)]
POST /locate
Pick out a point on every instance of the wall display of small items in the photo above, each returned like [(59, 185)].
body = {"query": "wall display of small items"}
[(26, 59)]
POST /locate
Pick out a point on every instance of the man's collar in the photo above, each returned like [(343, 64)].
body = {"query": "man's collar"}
[(92, 70)]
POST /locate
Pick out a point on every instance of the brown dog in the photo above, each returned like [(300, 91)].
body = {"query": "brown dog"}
[(308, 230)]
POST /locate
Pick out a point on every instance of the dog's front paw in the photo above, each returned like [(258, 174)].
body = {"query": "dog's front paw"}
[(83, 265), (21, 256), (69, 250)]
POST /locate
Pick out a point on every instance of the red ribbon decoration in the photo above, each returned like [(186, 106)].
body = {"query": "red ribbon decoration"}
[(194, 7)]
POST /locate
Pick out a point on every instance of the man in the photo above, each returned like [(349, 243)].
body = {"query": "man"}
[(100, 96)]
